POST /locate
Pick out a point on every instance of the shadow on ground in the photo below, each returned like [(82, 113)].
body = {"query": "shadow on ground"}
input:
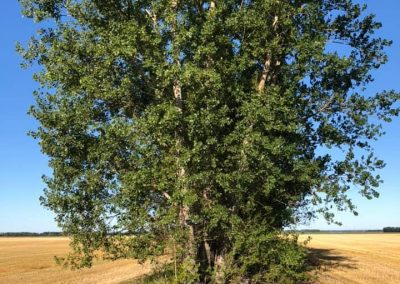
[(327, 259)]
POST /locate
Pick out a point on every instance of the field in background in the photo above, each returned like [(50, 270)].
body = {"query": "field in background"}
[(336, 258), (31, 260), (356, 258)]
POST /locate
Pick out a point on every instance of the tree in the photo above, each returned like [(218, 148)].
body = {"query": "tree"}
[(391, 230), (205, 129)]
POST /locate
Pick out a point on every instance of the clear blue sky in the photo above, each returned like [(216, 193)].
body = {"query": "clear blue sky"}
[(22, 164)]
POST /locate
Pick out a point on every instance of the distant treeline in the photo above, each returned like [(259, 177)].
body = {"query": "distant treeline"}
[(310, 231), (30, 234), (315, 231), (391, 229)]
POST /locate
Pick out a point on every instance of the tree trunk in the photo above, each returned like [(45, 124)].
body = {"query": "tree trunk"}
[(205, 261), (267, 64), (184, 211)]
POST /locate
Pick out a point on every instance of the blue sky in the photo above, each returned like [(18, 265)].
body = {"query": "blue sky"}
[(22, 164)]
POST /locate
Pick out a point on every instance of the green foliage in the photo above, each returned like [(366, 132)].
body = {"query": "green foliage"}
[(158, 277), (263, 255), (208, 127)]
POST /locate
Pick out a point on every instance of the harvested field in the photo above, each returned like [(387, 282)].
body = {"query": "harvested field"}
[(356, 258), (31, 260), (336, 258)]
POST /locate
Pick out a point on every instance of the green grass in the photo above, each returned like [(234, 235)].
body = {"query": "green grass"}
[(163, 276)]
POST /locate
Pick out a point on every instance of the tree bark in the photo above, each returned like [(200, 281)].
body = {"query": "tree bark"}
[(267, 64)]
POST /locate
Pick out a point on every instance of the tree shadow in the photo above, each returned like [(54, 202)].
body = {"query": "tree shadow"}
[(327, 259)]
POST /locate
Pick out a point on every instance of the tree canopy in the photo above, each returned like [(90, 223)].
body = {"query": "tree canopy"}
[(391, 229), (203, 129)]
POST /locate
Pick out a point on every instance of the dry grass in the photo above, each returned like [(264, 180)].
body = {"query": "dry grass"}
[(31, 260), (356, 258)]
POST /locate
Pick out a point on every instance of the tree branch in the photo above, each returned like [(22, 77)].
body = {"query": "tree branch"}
[(267, 64)]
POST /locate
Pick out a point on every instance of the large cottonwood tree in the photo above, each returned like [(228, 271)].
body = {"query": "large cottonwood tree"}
[(204, 128)]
